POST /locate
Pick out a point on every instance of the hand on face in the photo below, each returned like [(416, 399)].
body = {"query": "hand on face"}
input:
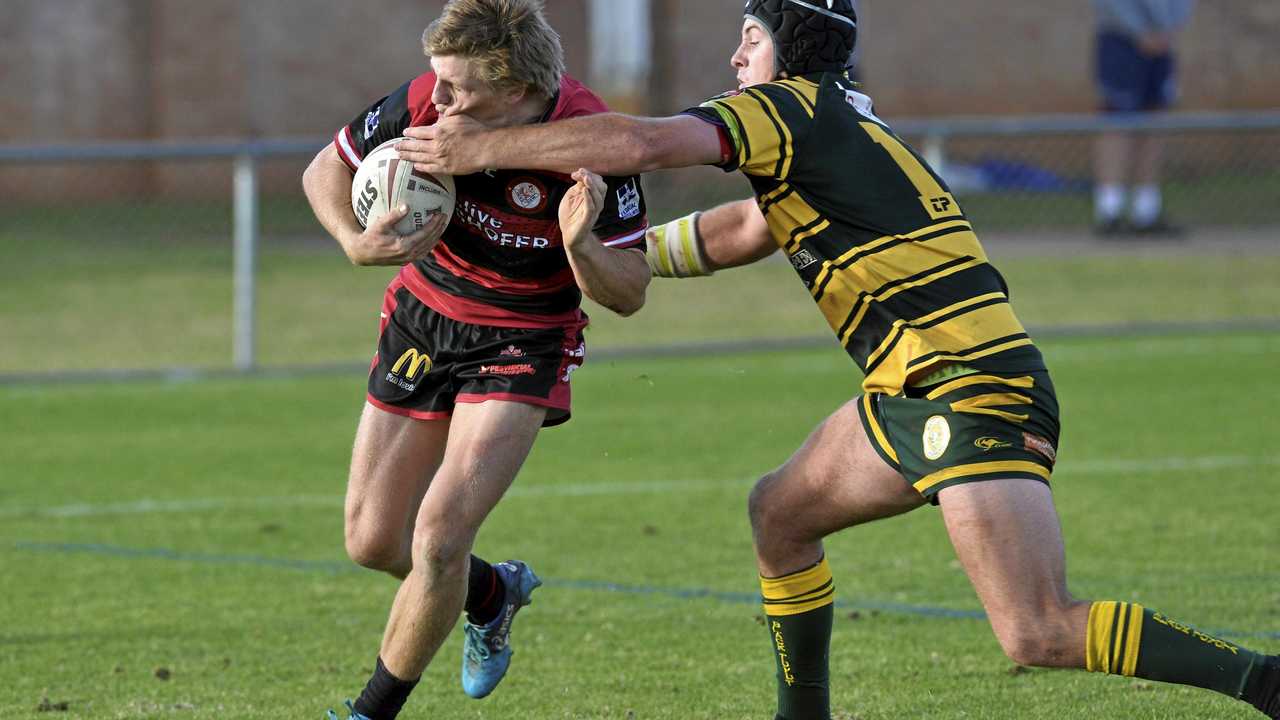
[(449, 147), (581, 207)]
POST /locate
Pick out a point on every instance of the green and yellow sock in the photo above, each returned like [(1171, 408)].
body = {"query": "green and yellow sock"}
[(1127, 639), (798, 609)]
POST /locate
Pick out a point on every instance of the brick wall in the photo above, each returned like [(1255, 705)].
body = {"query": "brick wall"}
[(165, 69)]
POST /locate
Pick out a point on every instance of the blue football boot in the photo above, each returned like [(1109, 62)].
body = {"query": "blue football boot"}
[(487, 650), (331, 715)]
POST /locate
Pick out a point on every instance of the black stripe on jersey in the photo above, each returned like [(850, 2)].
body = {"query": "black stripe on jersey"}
[(920, 301), (865, 297), (745, 150), (926, 359), (784, 147), (900, 331), (764, 209), (850, 261), (792, 242), (809, 107)]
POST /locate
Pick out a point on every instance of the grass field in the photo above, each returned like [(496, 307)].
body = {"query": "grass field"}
[(147, 299), (174, 550)]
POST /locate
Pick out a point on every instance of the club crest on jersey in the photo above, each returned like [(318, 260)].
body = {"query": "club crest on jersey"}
[(629, 200), (527, 195), (371, 122)]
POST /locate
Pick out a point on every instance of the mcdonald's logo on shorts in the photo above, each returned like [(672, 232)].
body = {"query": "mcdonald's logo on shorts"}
[(416, 362)]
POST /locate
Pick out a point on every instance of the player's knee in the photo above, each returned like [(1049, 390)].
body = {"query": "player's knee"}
[(762, 511), (438, 553), (1044, 641), (376, 551)]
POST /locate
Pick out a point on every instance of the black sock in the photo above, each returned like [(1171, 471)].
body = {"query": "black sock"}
[(1262, 690), (798, 610), (384, 695), (485, 593)]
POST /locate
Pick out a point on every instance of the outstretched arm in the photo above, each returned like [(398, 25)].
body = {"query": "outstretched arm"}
[(609, 144), (727, 236)]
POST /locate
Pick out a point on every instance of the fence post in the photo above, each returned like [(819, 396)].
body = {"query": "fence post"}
[(935, 152), (245, 261)]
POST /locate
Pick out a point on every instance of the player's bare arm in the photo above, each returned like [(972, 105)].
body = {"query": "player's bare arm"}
[(610, 144), (327, 182), (730, 235), (616, 279)]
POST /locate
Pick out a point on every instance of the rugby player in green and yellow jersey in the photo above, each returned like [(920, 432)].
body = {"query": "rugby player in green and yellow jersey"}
[(957, 409)]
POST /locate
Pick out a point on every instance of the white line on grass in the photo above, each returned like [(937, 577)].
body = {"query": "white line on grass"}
[(157, 507)]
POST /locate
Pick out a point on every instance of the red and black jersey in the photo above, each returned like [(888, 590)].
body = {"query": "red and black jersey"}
[(501, 261)]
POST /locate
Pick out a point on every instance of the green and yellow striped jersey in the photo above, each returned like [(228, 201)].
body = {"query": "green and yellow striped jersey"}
[(881, 243)]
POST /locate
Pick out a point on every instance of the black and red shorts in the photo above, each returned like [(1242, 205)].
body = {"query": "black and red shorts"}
[(427, 362)]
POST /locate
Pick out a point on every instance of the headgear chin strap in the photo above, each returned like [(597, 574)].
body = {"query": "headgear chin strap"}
[(808, 35)]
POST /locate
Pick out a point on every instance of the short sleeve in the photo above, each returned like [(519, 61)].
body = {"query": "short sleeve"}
[(381, 122), (623, 220), (762, 125)]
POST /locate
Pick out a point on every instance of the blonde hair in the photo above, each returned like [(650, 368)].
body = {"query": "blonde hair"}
[(509, 43)]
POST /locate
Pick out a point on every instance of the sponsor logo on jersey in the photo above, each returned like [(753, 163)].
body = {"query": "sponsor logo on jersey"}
[(803, 259), (371, 122), (512, 351), (1041, 445), (519, 369), (987, 444), (937, 436), (491, 226), (629, 200)]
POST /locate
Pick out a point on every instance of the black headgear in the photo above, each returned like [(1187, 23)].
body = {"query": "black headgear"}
[(808, 35)]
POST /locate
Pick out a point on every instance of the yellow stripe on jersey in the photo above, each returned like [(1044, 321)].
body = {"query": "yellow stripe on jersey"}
[(788, 216), (965, 356), (786, 151), (806, 94), (847, 290), (764, 140), (987, 468), (937, 202), (870, 248), (946, 331), (921, 344), (1020, 382), (860, 314)]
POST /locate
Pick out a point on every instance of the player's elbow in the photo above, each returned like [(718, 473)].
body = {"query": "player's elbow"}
[(631, 305)]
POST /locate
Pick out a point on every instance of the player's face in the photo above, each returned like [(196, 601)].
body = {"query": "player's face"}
[(754, 58), (457, 91)]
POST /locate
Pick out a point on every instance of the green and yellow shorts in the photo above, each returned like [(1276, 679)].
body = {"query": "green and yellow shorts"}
[(978, 426)]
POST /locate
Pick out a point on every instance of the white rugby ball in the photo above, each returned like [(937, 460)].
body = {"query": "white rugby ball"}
[(384, 181)]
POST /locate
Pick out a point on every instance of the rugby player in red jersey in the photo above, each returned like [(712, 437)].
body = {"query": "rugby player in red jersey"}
[(480, 332)]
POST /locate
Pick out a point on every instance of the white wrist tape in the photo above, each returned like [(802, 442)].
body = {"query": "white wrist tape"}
[(674, 250)]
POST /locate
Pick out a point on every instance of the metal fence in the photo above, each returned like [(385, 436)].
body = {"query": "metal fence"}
[(1024, 175)]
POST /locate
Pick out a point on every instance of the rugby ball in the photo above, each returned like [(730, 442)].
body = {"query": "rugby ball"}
[(384, 181)]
